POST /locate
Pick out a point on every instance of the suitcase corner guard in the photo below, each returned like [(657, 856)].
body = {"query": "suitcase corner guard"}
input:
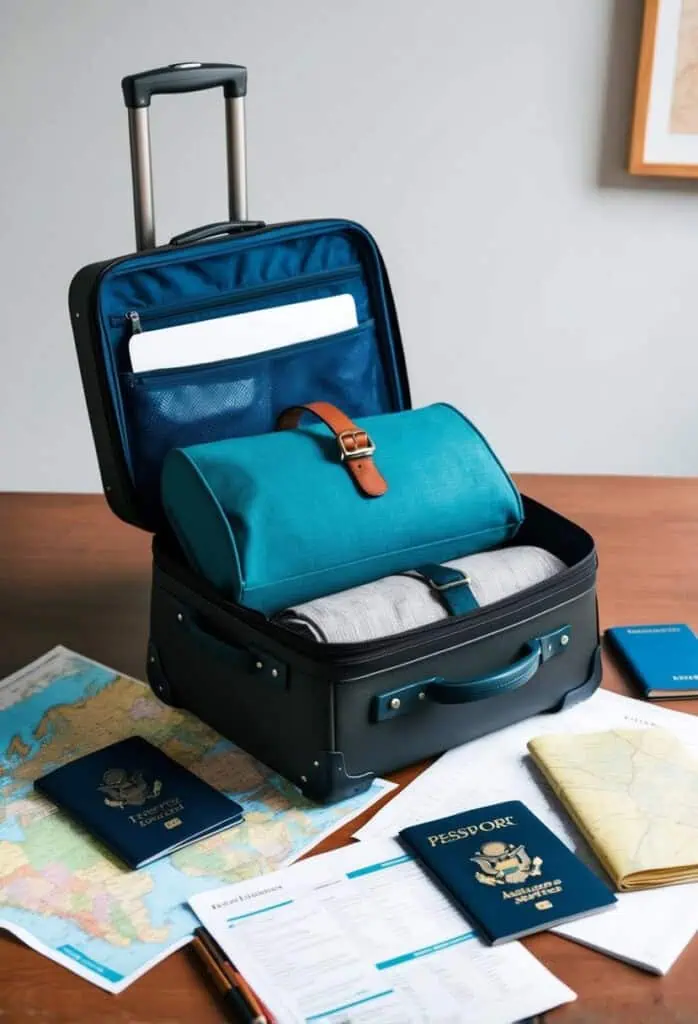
[(408, 698), (327, 780)]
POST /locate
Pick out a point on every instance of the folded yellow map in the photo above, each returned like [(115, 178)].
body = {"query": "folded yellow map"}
[(634, 795)]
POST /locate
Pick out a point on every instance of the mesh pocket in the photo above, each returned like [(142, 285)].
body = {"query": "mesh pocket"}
[(175, 408)]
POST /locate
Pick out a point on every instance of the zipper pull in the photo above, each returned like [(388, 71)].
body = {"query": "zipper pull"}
[(136, 326)]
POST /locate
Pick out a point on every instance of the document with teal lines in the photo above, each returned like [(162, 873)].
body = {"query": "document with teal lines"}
[(363, 936), (63, 893)]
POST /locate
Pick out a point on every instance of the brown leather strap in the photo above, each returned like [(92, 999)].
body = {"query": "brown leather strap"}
[(355, 446)]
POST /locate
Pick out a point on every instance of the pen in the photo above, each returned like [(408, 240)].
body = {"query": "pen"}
[(257, 1012), (231, 996), (263, 1015)]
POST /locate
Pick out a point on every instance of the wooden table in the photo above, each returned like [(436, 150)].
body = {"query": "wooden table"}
[(71, 573)]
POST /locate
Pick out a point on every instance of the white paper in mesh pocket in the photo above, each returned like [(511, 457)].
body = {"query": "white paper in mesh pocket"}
[(241, 334)]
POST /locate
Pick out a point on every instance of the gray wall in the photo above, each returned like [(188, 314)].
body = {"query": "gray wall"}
[(540, 289)]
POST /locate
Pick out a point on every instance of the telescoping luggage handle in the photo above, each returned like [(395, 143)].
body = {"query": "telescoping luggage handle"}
[(190, 76), (408, 698)]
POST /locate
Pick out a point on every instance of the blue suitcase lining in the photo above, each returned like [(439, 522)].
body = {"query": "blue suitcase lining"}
[(161, 409)]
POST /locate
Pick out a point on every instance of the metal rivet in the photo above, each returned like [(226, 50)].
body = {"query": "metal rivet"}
[(395, 703), (564, 639), (77, 316), (316, 764), (304, 778), (421, 695), (275, 672), (259, 664), (151, 659), (180, 617)]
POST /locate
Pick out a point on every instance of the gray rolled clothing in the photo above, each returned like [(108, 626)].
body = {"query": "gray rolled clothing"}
[(398, 603)]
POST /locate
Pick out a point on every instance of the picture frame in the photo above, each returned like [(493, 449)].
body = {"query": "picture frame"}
[(664, 138)]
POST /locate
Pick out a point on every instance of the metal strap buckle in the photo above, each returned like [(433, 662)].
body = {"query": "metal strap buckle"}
[(451, 583), (358, 452)]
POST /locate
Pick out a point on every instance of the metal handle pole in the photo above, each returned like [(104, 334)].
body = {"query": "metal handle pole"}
[(142, 177), (236, 157)]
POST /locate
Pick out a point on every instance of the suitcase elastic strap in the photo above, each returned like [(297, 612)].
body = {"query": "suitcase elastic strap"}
[(451, 586)]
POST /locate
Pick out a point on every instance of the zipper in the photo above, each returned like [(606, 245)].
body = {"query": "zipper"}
[(447, 628), (137, 319), (414, 653), (424, 639), (400, 388)]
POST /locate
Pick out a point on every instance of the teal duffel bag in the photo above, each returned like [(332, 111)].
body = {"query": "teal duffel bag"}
[(314, 508)]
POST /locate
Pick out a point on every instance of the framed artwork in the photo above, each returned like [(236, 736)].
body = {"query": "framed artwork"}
[(665, 123)]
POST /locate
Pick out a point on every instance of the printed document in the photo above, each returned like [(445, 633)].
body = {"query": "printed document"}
[(649, 928), (362, 935)]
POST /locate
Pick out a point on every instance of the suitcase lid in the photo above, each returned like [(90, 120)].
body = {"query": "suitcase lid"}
[(137, 418)]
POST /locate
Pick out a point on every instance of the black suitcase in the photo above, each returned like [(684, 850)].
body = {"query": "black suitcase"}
[(329, 717)]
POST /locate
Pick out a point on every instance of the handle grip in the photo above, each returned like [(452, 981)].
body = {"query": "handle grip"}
[(443, 691), (464, 691), (226, 227), (190, 76)]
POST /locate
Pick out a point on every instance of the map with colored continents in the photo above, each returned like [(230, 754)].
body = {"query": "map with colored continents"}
[(63, 893)]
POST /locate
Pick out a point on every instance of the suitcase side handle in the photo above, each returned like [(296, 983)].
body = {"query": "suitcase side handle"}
[(464, 691), (179, 78), (257, 664)]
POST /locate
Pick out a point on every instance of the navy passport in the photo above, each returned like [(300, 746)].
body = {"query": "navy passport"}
[(662, 659), (138, 801), (507, 871)]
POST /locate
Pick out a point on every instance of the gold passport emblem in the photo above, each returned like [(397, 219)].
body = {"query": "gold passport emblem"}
[(505, 864), (172, 822), (127, 790)]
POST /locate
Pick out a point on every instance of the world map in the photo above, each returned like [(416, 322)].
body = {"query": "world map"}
[(60, 890)]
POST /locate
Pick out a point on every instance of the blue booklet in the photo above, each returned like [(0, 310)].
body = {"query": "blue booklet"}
[(507, 871), (661, 659), (138, 801)]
